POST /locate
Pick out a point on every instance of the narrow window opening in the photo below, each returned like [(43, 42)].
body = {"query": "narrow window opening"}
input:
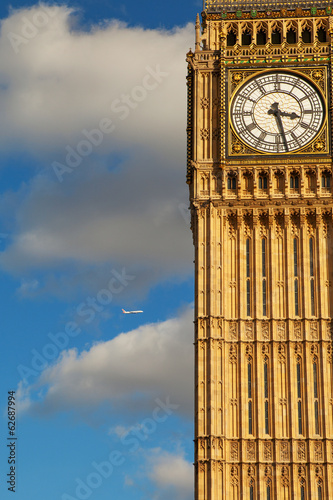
[(263, 182), (299, 398), (294, 181), (291, 36), (295, 258), (321, 34), (276, 37), (250, 418), (311, 257), (264, 297), (312, 290), (247, 258), (300, 428), (268, 493), (266, 379), (231, 39), (266, 418), (296, 297), (248, 298), (246, 38), (306, 35), (231, 182), (249, 378), (251, 493), (317, 417), (261, 37), (320, 493), (302, 493), (315, 384), (326, 181)]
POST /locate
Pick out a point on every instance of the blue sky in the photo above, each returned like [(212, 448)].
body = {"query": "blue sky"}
[(93, 219)]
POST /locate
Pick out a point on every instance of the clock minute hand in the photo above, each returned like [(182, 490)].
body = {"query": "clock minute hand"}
[(292, 115), (277, 113)]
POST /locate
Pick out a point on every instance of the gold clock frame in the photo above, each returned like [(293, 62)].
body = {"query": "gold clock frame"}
[(317, 76)]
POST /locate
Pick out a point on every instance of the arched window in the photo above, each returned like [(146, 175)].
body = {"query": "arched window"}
[(326, 180), (276, 37), (306, 35), (263, 181), (299, 398), (294, 181), (231, 182), (249, 394), (321, 34), (261, 37), (231, 39), (291, 36), (246, 37)]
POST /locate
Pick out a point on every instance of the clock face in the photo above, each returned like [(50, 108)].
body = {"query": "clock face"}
[(277, 112)]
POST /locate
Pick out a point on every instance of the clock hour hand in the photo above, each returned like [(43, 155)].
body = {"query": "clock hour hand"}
[(277, 113), (292, 116)]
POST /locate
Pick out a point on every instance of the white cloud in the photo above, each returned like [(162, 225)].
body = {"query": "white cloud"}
[(124, 204), (172, 474), (128, 373)]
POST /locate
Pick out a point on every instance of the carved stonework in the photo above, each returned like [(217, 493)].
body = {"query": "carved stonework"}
[(234, 450), (285, 476), (281, 330), (282, 353), (284, 451), (318, 451), (301, 454), (314, 330), (233, 330), (267, 451), (297, 330), (329, 330), (265, 330), (249, 330), (234, 475), (251, 451), (233, 354)]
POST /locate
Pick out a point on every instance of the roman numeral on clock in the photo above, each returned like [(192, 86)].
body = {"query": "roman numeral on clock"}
[(250, 127)]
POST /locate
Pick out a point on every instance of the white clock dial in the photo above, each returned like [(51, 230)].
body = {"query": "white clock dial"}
[(277, 112)]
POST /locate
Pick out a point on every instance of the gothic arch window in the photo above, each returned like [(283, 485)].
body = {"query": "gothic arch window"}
[(246, 36), (312, 181), (231, 37), (279, 181), (276, 36), (294, 181), (263, 181), (321, 34), (248, 277), (326, 180), (312, 281), (231, 182), (299, 397), (264, 275), (316, 394), (296, 272), (266, 396), (261, 37), (291, 36), (248, 181), (250, 393), (307, 35)]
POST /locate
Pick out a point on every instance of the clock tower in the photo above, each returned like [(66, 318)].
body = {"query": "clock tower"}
[(259, 171)]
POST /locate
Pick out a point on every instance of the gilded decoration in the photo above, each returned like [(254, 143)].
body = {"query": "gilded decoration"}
[(319, 145)]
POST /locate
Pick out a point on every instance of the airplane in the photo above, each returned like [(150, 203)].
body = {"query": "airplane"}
[(131, 312)]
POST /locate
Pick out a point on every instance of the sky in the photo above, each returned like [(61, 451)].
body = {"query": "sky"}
[(94, 218)]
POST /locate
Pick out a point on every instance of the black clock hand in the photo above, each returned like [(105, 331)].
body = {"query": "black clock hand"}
[(277, 113), (292, 116)]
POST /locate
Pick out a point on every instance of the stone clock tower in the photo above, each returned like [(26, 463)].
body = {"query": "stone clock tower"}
[(260, 179)]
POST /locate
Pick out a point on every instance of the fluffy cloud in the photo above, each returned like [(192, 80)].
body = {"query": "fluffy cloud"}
[(172, 475), (127, 373), (124, 202)]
